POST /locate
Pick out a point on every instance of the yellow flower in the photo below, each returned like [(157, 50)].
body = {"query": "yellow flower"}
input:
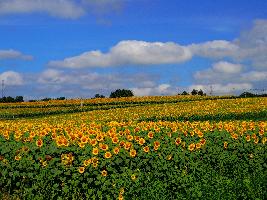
[(150, 135), (95, 151), (178, 141), (104, 173), (133, 153), (108, 155), (146, 149), (191, 147), (133, 177), (39, 143), (18, 157), (116, 150), (225, 145), (87, 162), (81, 170)]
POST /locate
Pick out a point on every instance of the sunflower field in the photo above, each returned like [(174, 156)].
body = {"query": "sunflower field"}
[(135, 148)]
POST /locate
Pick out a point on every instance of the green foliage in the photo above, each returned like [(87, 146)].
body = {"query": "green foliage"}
[(121, 93), (238, 172)]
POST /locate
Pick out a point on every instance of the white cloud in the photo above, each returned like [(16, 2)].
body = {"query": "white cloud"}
[(13, 54), (221, 71), (222, 89), (57, 8), (130, 52), (227, 67), (162, 89), (214, 49), (253, 44), (254, 76), (68, 9), (11, 78)]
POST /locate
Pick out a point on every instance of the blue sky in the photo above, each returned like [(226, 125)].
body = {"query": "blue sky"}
[(77, 48)]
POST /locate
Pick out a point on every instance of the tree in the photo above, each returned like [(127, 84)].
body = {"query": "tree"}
[(99, 96), (247, 94), (185, 93), (200, 92), (194, 92), (121, 93), (61, 98), (19, 99)]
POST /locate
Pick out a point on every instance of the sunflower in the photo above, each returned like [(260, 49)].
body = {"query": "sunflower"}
[(108, 155), (81, 170), (191, 147), (198, 145), (95, 151), (130, 137), (150, 135), (81, 145), (18, 157), (121, 190), (133, 177), (93, 142), (156, 148), (84, 139), (115, 140), (178, 141), (116, 150), (248, 138), (87, 162), (146, 149), (104, 173), (104, 147), (133, 153), (142, 141), (202, 141), (157, 143), (99, 138), (95, 165), (39, 143), (122, 144), (225, 145)]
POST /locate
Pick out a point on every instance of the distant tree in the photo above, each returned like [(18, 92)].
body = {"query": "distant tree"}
[(194, 92), (121, 93), (200, 92), (61, 98), (10, 99), (46, 99), (184, 93), (247, 94), (99, 96), (19, 99)]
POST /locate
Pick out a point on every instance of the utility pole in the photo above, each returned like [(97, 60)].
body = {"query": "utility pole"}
[(211, 91), (3, 84)]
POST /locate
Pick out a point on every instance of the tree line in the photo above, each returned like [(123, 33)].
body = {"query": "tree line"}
[(121, 93)]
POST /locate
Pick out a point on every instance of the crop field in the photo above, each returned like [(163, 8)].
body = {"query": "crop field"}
[(176, 147)]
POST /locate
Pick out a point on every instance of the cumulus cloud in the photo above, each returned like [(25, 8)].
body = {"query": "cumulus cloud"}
[(128, 53), (221, 71), (13, 54), (214, 49), (253, 44), (227, 67), (68, 9), (57, 8), (11, 78), (162, 89), (222, 89), (254, 76)]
